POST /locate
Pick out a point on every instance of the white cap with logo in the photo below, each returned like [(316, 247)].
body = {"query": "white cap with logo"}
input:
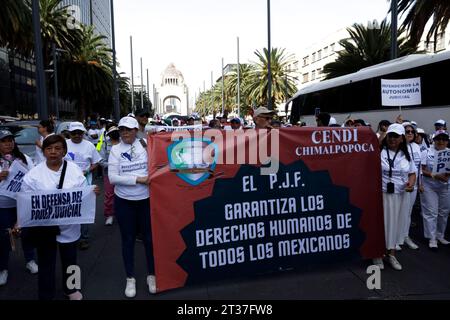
[(128, 122)]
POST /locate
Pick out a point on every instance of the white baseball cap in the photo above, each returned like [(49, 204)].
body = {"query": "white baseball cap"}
[(440, 122), (420, 131), (332, 121), (76, 126), (396, 128), (128, 122), (263, 111)]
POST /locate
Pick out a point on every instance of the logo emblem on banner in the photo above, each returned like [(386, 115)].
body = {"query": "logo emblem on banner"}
[(188, 159)]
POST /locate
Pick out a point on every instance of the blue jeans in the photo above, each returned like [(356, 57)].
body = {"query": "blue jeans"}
[(8, 218), (133, 216)]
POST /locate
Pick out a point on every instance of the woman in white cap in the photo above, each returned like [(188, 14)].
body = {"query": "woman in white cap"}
[(9, 152), (398, 177), (405, 218), (422, 140), (128, 172), (436, 196)]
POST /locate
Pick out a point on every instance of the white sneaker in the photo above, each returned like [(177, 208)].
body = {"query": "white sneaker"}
[(433, 244), (411, 244), (3, 277), (109, 221), (398, 248), (378, 262), (443, 241), (394, 263), (151, 282), (32, 267), (130, 290)]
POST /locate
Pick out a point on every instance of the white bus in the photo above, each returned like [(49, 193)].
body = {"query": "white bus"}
[(358, 95)]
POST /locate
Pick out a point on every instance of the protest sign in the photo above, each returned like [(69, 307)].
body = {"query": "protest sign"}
[(56, 207)]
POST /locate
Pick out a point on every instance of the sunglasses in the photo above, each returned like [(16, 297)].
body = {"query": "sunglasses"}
[(409, 131)]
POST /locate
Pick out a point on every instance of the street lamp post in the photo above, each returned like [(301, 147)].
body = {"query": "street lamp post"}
[(40, 78), (394, 19), (269, 68), (55, 78), (132, 75), (115, 87)]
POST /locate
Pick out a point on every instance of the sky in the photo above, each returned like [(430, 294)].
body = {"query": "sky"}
[(196, 34)]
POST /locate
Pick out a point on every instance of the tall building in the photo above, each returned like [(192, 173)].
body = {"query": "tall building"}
[(316, 56), (95, 13)]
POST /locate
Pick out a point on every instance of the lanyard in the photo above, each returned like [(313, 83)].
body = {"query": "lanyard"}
[(391, 163)]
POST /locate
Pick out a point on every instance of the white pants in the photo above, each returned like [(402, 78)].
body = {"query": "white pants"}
[(435, 208), (393, 205), (405, 215)]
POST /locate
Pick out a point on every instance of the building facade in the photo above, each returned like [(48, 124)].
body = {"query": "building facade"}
[(316, 56), (172, 94), (95, 13)]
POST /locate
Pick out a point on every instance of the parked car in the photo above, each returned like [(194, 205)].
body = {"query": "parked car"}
[(25, 134)]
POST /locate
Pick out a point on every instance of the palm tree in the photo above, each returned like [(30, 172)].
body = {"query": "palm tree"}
[(231, 81), (15, 20), (283, 79), (364, 48), (419, 12), (55, 29), (86, 75)]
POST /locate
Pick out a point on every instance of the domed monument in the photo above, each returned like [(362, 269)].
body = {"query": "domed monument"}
[(172, 95)]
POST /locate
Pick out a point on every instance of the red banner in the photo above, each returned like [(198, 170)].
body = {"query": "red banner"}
[(221, 215)]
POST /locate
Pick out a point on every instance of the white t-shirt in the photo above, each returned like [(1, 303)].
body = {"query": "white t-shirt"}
[(83, 154), (42, 178), (400, 170), (427, 159), (125, 163), (416, 155), (7, 202)]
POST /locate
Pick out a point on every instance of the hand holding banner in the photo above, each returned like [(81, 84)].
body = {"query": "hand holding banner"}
[(56, 207), (11, 186)]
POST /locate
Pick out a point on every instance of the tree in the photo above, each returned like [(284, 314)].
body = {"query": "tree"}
[(365, 47), (16, 27), (86, 74), (419, 12), (283, 79)]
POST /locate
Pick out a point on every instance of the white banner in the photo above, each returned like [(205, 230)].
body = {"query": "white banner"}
[(153, 129), (404, 92), (441, 162), (56, 207), (11, 186)]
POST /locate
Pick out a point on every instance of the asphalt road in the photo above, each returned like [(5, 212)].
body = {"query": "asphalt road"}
[(425, 275)]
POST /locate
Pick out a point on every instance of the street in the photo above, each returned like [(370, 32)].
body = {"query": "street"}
[(424, 276)]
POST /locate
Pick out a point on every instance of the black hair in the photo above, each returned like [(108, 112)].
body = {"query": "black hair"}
[(360, 121), (48, 125), (324, 118), (16, 152), (115, 135), (414, 131), (403, 147), (383, 123), (54, 138)]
